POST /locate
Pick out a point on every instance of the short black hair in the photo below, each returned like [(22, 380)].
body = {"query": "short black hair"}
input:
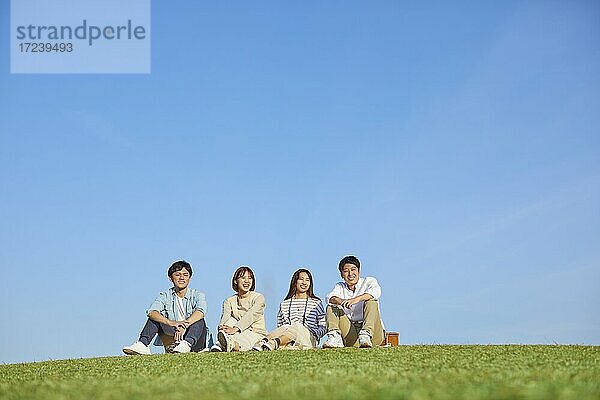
[(178, 266), (349, 260)]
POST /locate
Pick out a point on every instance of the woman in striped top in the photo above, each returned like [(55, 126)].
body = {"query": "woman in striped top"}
[(301, 317)]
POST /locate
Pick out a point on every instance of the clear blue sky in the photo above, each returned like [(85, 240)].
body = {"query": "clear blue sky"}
[(454, 148)]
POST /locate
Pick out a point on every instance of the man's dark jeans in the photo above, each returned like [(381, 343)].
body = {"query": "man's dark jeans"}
[(195, 334)]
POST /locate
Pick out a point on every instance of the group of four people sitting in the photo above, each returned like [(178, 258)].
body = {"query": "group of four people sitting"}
[(351, 318)]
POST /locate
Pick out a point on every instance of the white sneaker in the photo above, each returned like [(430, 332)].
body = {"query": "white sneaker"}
[(334, 340), (225, 341), (136, 349), (182, 347), (258, 346), (364, 339), (270, 345), (216, 348)]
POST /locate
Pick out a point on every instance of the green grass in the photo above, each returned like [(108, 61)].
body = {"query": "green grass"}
[(406, 372)]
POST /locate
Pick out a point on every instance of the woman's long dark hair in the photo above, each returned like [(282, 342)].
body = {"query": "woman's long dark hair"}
[(295, 278)]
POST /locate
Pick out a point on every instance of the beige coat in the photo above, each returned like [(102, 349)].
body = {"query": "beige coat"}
[(248, 313)]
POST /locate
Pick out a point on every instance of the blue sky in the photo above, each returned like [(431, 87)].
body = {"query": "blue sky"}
[(454, 148)]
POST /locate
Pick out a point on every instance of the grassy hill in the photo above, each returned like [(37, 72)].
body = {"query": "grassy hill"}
[(406, 372)]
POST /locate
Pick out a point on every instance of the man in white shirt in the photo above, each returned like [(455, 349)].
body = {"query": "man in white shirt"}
[(353, 309)]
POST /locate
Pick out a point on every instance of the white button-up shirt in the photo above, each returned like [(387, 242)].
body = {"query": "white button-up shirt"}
[(364, 285)]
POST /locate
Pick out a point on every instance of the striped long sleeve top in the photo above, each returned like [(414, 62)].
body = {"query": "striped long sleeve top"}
[(309, 312)]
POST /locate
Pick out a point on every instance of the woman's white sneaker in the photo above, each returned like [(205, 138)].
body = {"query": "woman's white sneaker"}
[(258, 346), (270, 345), (225, 341)]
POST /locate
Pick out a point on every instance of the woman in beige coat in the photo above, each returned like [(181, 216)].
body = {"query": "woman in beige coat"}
[(243, 321)]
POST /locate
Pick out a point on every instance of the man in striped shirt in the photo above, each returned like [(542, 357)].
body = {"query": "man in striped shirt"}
[(353, 309)]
